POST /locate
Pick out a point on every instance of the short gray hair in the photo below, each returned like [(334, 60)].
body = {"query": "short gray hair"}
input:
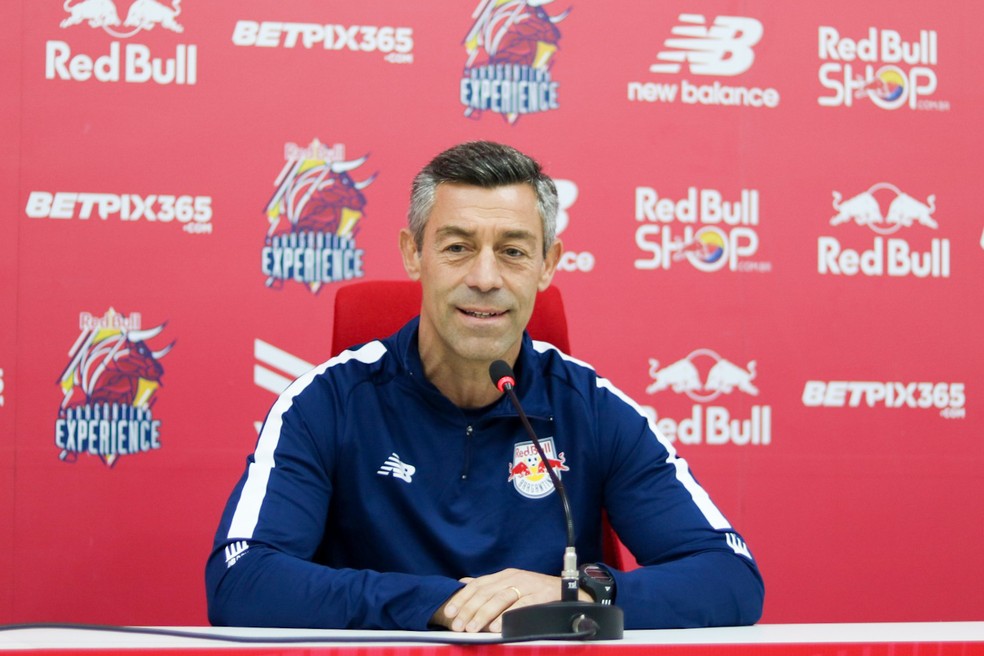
[(482, 164)]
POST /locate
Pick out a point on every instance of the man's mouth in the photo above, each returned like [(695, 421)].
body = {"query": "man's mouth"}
[(481, 315)]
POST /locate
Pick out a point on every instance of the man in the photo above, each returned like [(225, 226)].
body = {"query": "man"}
[(387, 491)]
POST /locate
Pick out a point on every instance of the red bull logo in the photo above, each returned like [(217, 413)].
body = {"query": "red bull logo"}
[(884, 209), (528, 472), (703, 376), (133, 62), (906, 76), (510, 48), (108, 389), (313, 218)]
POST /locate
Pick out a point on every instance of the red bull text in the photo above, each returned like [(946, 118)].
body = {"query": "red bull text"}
[(714, 425)]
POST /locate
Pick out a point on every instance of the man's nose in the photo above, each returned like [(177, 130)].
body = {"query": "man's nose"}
[(484, 273)]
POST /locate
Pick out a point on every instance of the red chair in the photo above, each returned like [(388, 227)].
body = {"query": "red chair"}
[(374, 309)]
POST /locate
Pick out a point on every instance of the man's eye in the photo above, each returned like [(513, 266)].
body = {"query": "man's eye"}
[(455, 248), (514, 252)]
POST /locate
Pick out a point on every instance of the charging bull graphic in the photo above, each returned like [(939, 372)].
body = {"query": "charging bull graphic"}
[(108, 389), (510, 47), (141, 15), (865, 209), (684, 376), (313, 219), (528, 472)]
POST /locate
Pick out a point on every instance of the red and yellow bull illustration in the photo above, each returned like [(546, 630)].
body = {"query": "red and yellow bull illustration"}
[(528, 472), (313, 218), (510, 49), (108, 389)]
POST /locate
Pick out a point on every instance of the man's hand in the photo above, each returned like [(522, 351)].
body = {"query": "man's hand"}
[(479, 605)]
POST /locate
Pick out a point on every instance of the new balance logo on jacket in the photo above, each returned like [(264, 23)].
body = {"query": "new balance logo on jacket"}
[(397, 468), (235, 551)]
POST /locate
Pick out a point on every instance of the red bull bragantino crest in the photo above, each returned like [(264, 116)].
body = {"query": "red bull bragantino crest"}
[(528, 473), (313, 218), (510, 49), (108, 389)]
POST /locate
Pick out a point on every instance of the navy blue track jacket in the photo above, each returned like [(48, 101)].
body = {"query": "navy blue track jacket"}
[(370, 494)]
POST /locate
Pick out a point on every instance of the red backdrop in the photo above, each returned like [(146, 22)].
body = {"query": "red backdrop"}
[(774, 242)]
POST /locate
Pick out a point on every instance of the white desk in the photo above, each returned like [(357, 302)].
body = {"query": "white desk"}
[(902, 639)]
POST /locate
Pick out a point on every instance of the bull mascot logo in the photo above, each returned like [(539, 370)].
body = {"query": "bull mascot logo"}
[(315, 194), (516, 32), (112, 372), (865, 209), (142, 15), (684, 376)]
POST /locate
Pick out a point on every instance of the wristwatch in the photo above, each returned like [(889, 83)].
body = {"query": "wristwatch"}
[(597, 581)]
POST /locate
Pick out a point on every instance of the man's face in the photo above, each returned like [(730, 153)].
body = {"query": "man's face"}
[(480, 265)]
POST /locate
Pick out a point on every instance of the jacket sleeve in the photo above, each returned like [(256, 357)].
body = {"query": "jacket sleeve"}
[(695, 569), (261, 571)]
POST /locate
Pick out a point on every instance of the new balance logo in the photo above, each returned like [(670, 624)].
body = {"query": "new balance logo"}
[(738, 546), (398, 469), (724, 48), (235, 551)]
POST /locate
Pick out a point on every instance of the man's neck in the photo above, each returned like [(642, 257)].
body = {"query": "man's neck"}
[(465, 383), (466, 387)]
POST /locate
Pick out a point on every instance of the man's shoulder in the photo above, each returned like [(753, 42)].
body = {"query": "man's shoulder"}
[(338, 376), (564, 368)]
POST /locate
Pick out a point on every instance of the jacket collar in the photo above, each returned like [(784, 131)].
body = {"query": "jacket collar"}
[(531, 387)]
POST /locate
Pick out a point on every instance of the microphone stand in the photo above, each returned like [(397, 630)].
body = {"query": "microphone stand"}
[(587, 620)]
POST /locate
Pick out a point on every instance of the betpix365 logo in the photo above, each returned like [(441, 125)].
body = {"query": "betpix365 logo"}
[(510, 48), (949, 398), (132, 62), (880, 66), (395, 43), (313, 218), (717, 233), (891, 256), (192, 213), (704, 376), (722, 48), (108, 389)]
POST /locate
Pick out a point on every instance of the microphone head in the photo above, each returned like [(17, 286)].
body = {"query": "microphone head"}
[(502, 375)]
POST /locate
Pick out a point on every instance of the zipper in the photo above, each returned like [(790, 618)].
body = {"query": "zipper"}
[(468, 445)]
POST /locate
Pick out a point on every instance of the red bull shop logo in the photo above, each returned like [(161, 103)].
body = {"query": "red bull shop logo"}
[(528, 473), (313, 218), (510, 49), (108, 389), (884, 209), (704, 376), (717, 233), (851, 71)]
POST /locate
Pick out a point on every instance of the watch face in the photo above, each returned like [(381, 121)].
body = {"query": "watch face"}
[(597, 573)]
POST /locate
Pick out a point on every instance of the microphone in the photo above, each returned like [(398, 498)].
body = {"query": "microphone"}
[(569, 617)]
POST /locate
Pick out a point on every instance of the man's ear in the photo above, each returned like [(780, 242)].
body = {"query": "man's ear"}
[(411, 256), (550, 263)]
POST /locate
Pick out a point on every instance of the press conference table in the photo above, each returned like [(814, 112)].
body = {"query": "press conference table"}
[(889, 639)]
